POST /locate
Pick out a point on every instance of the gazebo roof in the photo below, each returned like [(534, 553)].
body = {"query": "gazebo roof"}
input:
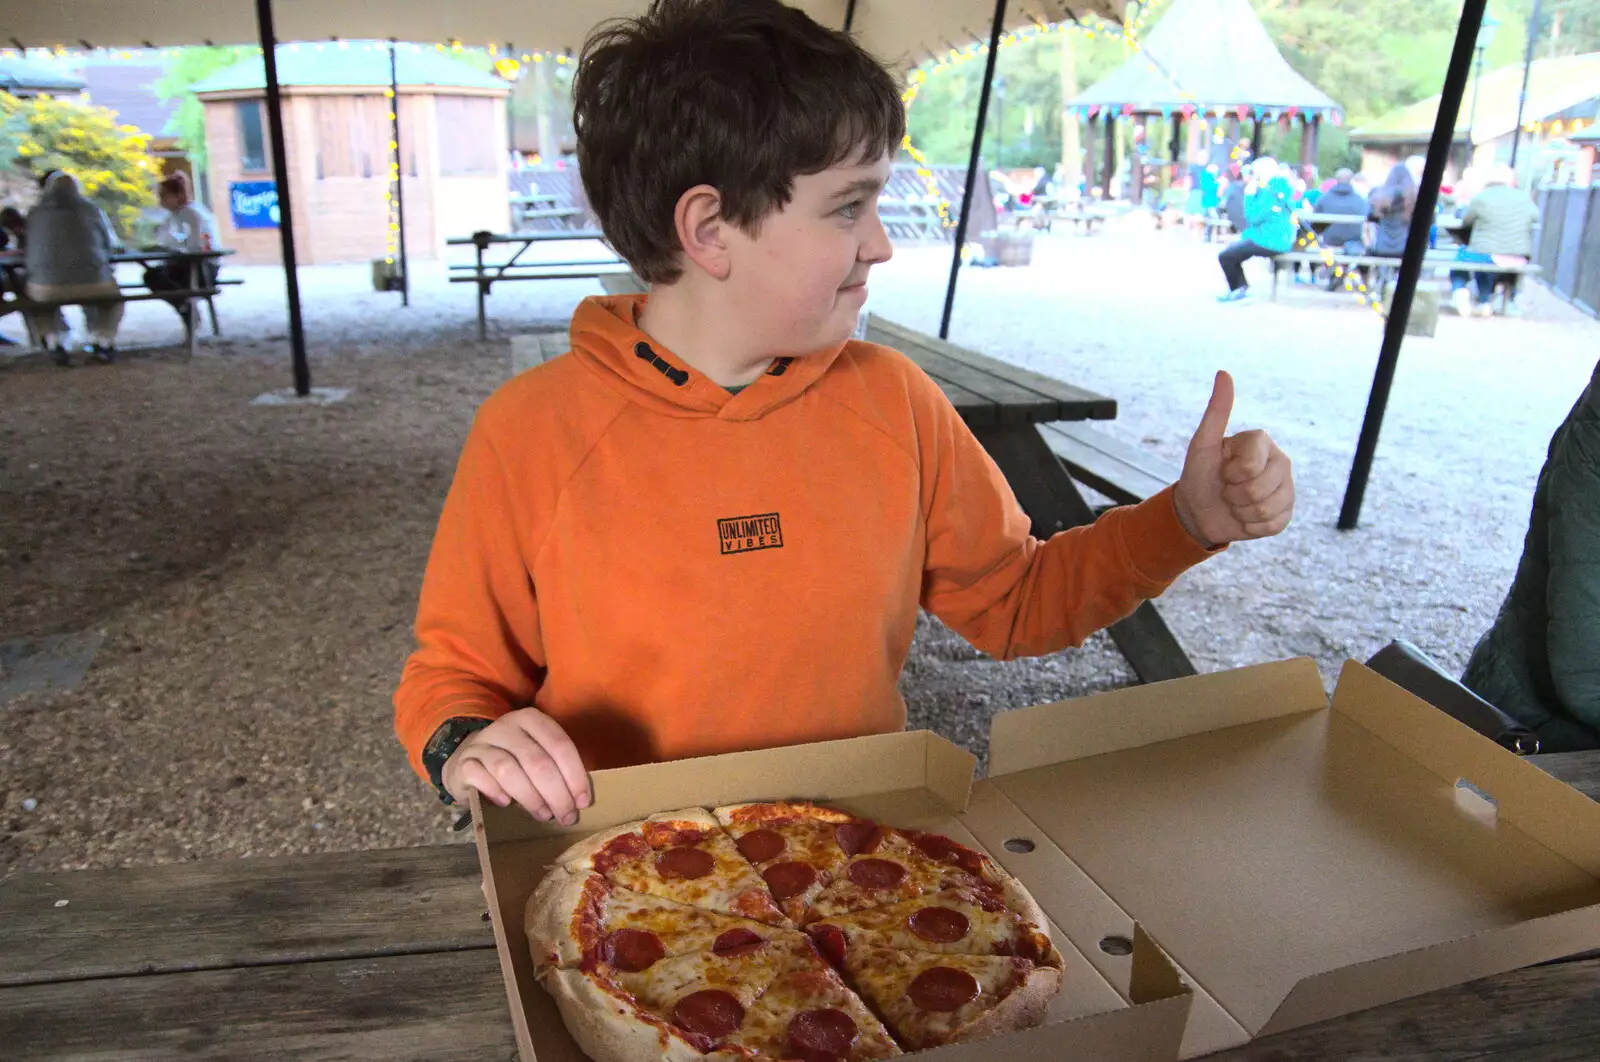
[(352, 64), (1212, 54), (21, 77)]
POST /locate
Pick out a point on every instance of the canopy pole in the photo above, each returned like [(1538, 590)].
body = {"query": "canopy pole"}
[(1394, 329), (1527, 67), (280, 174), (849, 14), (399, 176), (972, 166), (1111, 155)]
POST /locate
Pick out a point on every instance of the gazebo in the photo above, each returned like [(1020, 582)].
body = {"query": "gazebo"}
[(1205, 59)]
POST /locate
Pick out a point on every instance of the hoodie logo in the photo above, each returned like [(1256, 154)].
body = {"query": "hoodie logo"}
[(742, 534)]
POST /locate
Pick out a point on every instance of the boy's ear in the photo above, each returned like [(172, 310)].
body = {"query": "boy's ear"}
[(702, 230)]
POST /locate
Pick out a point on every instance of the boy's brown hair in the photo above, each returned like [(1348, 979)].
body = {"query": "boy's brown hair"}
[(743, 95)]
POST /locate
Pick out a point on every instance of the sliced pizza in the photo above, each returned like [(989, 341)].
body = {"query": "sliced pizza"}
[(683, 856), (575, 918), (797, 847), (929, 999), (809, 1015), (947, 923), (890, 865)]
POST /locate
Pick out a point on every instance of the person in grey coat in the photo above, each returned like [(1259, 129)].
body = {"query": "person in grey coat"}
[(1540, 662), (68, 256), (1501, 220)]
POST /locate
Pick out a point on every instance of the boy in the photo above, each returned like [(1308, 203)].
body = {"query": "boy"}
[(710, 526)]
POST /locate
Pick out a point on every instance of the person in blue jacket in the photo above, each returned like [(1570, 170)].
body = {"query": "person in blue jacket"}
[(1269, 225)]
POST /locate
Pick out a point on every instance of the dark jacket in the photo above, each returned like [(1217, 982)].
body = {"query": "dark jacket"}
[(1540, 662), (1394, 224), (1234, 207), (1342, 199)]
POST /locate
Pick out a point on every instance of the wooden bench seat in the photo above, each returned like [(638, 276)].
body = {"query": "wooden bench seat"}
[(1435, 260), (1125, 474)]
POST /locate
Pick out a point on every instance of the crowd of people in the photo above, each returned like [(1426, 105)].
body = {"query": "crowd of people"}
[(66, 245), (1266, 204)]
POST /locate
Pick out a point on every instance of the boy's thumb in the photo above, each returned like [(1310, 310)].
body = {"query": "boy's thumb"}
[(1214, 425)]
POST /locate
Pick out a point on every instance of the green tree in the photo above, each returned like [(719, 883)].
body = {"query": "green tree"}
[(184, 71), (111, 162)]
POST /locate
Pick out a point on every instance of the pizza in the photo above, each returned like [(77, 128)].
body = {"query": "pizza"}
[(784, 931)]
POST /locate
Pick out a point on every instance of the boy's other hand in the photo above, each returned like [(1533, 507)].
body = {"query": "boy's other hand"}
[(1233, 487), (523, 756)]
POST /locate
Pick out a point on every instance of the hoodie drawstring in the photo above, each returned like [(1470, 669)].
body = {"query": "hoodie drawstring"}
[(679, 377)]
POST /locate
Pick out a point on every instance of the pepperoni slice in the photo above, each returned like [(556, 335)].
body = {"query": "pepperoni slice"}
[(709, 1012), (943, 989), (830, 940), (633, 949), (738, 942), (822, 1033), (684, 863), (857, 837), (877, 873), (758, 846), (939, 925), (787, 880), (941, 849)]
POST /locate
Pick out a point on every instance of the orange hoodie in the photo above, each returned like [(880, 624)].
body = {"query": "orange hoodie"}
[(669, 570)]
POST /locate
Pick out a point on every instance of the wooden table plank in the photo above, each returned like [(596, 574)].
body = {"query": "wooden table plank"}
[(1580, 770), (238, 912), (427, 1008), (1075, 403), (1543, 1014)]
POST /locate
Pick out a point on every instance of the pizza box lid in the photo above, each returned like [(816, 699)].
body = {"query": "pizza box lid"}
[(1300, 859), (1122, 999)]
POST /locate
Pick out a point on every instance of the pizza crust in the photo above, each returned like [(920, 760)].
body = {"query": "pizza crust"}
[(1024, 1008), (781, 808), (606, 1027), (548, 918)]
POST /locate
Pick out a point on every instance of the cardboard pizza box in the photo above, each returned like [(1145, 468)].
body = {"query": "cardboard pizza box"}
[(1230, 840), (1121, 999), (1296, 860)]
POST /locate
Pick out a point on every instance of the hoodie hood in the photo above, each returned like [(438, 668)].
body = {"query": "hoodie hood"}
[(606, 338)]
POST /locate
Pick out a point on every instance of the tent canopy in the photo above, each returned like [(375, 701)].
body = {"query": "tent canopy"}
[(901, 32), (360, 63), (1210, 53), (1555, 86)]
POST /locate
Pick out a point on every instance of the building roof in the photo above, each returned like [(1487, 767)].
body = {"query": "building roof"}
[(352, 64), (23, 78), (1555, 86), (1211, 53), (129, 89)]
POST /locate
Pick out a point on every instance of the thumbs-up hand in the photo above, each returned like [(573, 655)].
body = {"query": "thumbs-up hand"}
[(1233, 487)]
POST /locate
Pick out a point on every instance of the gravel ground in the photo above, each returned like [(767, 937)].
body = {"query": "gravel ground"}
[(254, 569)]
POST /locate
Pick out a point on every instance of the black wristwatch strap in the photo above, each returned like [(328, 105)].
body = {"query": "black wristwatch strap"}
[(443, 744)]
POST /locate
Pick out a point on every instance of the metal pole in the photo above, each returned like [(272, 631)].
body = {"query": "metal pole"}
[(399, 176), (280, 174), (1527, 67), (1394, 329), (972, 167), (849, 15), (1472, 115)]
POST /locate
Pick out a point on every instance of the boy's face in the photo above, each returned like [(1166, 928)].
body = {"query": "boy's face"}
[(803, 276)]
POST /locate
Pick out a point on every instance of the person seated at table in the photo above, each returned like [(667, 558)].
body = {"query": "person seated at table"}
[(189, 228), (69, 242), (1391, 205), (1269, 226), (1346, 237), (710, 527), (1540, 662), (1501, 220), (13, 229)]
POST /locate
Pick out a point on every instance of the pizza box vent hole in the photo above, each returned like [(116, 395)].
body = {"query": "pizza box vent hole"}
[(1116, 945), (1019, 844)]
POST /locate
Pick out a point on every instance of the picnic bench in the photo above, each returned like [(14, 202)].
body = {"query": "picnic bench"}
[(389, 956), (486, 274), (1083, 219), (543, 206), (1387, 265), (1021, 417), (202, 289), (913, 216)]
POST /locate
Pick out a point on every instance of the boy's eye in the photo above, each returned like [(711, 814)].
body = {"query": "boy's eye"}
[(850, 210)]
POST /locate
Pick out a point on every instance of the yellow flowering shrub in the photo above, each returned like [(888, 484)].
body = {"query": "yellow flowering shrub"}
[(111, 161)]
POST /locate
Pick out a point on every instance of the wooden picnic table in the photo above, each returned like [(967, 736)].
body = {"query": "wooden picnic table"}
[(388, 956), (486, 274), (1009, 409)]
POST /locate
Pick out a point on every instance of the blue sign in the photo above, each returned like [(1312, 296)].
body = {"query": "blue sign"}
[(254, 204)]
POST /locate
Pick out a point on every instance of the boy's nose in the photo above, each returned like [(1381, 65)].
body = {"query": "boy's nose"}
[(876, 247)]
